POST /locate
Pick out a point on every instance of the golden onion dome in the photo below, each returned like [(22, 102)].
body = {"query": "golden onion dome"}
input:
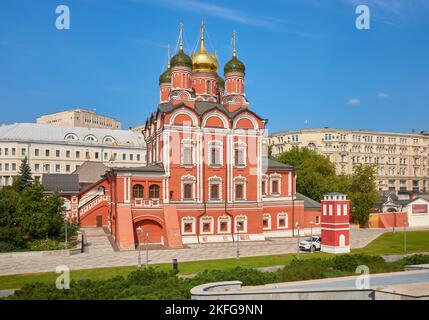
[(202, 60)]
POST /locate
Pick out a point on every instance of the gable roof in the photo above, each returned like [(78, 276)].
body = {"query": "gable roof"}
[(273, 164), (144, 169), (39, 132), (61, 183), (308, 202), (91, 172)]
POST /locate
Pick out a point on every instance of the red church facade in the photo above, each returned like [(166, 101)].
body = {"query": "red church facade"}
[(207, 178)]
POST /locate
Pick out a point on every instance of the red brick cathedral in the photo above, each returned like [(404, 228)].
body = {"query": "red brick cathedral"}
[(207, 177)]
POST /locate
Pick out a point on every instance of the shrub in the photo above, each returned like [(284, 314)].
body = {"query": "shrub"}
[(8, 247), (414, 259), (350, 262), (47, 244), (249, 277), (309, 269), (12, 235)]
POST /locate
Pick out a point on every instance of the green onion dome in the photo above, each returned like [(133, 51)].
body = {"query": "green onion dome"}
[(181, 59), (165, 77), (234, 65)]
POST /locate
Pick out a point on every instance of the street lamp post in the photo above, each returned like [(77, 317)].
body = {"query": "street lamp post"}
[(147, 248), (65, 232), (405, 236), (297, 229), (311, 236), (139, 258), (238, 241)]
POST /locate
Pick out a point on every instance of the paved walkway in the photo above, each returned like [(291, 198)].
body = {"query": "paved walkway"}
[(100, 254)]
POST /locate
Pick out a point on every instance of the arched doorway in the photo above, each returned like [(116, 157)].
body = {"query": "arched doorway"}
[(151, 227)]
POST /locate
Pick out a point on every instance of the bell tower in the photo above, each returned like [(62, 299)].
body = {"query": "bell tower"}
[(234, 71), (204, 72), (181, 69)]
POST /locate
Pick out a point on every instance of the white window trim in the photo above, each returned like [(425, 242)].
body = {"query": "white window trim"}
[(276, 177), (71, 136), (215, 144), (207, 219), (192, 144), (188, 220), (226, 219), (188, 179), (264, 179), (243, 181), (239, 219), (243, 146), (268, 217), (91, 137), (283, 215), (215, 180)]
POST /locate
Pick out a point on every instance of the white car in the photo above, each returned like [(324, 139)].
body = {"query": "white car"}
[(311, 244)]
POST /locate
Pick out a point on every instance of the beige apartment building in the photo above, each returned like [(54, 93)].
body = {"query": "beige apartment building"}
[(62, 150), (401, 158), (80, 118)]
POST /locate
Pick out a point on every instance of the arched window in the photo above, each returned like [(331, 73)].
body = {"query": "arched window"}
[(90, 138), (138, 191), (312, 147), (209, 88), (109, 139), (154, 191), (240, 154), (71, 136), (215, 153)]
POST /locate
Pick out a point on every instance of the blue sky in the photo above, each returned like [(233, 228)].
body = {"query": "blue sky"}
[(305, 59)]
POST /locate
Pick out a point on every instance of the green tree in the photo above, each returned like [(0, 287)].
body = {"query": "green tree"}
[(316, 175), (8, 202), (296, 156), (25, 176), (363, 193), (39, 216)]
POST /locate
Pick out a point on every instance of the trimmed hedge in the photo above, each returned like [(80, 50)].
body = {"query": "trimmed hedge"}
[(154, 284)]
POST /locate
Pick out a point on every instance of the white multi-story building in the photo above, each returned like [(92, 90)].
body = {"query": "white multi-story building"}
[(79, 118), (401, 158), (61, 149)]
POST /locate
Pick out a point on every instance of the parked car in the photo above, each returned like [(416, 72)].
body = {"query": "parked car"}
[(311, 244)]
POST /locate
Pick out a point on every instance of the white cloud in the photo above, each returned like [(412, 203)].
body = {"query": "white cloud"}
[(354, 102), (216, 10), (383, 95), (393, 11)]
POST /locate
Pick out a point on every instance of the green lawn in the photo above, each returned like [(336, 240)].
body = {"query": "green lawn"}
[(388, 243), (393, 243)]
